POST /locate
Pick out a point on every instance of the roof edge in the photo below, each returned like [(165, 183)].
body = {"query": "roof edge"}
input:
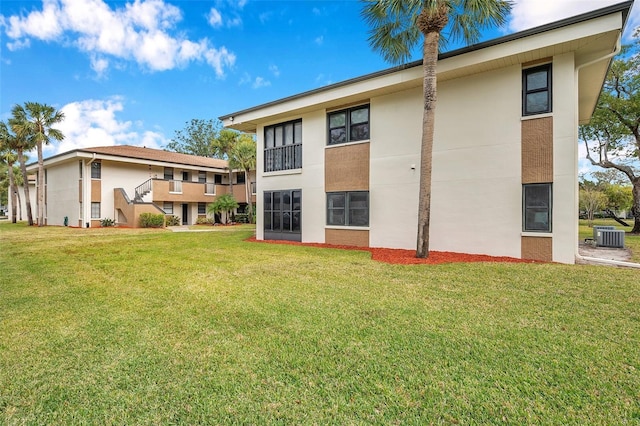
[(623, 7)]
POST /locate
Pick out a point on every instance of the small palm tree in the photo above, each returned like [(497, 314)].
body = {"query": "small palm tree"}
[(223, 204), (396, 26), (243, 157), (35, 122)]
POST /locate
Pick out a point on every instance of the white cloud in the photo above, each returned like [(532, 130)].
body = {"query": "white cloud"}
[(99, 66), (319, 40), (274, 70), (532, 13), (142, 31), (214, 18), (92, 123), (260, 82)]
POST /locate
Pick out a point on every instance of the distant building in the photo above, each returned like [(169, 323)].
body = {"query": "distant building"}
[(120, 182), (340, 164)]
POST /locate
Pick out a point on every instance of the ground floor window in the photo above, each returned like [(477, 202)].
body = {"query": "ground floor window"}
[(536, 207), (168, 208), (95, 210), (282, 215), (202, 208), (348, 208)]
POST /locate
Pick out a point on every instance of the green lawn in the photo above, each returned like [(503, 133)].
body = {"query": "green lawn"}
[(632, 242), (125, 326)]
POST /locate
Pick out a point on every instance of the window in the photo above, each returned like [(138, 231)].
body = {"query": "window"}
[(282, 212), (202, 177), (348, 208), (536, 206), (348, 125), (81, 167), (240, 177), (96, 170), (168, 173), (95, 210), (202, 208), (536, 90), (217, 179), (283, 146), (168, 208)]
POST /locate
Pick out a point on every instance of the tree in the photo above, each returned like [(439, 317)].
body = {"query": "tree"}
[(223, 146), (243, 156), (396, 26), (612, 138), (8, 157), (592, 200), (223, 204), (196, 138), (20, 143), (35, 122)]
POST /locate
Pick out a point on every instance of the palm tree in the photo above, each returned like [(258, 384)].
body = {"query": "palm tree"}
[(243, 157), (396, 27), (35, 121), (223, 145), (223, 204), (20, 143), (9, 157)]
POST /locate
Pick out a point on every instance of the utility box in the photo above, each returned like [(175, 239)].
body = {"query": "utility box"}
[(609, 238)]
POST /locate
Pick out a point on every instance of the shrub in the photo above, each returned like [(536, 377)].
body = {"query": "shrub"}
[(204, 221), (106, 222), (172, 220), (151, 220)]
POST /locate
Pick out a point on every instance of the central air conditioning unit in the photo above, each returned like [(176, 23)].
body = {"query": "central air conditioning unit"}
[(609, 238)]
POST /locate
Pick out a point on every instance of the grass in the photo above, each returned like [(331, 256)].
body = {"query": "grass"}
[(113, 326), (632, 242)]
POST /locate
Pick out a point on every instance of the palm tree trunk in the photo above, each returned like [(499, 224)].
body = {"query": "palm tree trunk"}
[(19, 201), (13, 189), (247, 186), (23, 169), (429, 62), (635, 209), (40, 188)]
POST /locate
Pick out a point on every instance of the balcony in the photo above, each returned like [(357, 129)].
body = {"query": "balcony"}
[(187, 192), (285, 157)]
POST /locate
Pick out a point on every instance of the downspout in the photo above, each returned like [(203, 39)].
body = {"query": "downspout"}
[(86, 198), (617, 50)]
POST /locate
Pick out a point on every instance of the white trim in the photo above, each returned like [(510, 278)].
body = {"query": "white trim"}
[(283, 172), (537, 234)]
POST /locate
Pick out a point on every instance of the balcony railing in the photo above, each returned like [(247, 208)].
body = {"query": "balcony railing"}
[(175, 186), (285, 157)]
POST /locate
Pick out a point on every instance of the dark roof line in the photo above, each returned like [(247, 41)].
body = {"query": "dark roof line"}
[(620, 7)]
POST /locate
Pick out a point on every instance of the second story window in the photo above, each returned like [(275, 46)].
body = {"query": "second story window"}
[(283, 146), (168, 173), (536, 90), (96, 170), (348, 125)]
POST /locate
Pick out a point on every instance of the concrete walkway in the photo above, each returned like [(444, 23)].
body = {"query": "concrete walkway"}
[(591, 255)]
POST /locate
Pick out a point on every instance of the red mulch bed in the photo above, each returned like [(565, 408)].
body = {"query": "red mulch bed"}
[(408, 257)]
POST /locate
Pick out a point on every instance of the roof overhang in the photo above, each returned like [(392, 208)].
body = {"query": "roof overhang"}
[(593, 37)]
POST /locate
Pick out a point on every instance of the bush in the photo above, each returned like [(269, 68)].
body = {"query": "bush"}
[(204, 221), (172, 220), (151, 220), (106, 222)]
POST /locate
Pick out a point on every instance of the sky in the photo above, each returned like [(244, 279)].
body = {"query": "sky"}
[(135, 72)]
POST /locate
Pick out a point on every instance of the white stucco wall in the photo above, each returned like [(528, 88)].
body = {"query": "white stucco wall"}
[(63, 193), (476, 187)]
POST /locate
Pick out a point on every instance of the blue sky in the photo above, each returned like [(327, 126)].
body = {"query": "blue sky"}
[(134, 72)]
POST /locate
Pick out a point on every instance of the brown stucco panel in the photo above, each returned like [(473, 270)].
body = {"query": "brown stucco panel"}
[(537, 150), (347, 168), (537, 248), (347, 237), (96, 190)]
